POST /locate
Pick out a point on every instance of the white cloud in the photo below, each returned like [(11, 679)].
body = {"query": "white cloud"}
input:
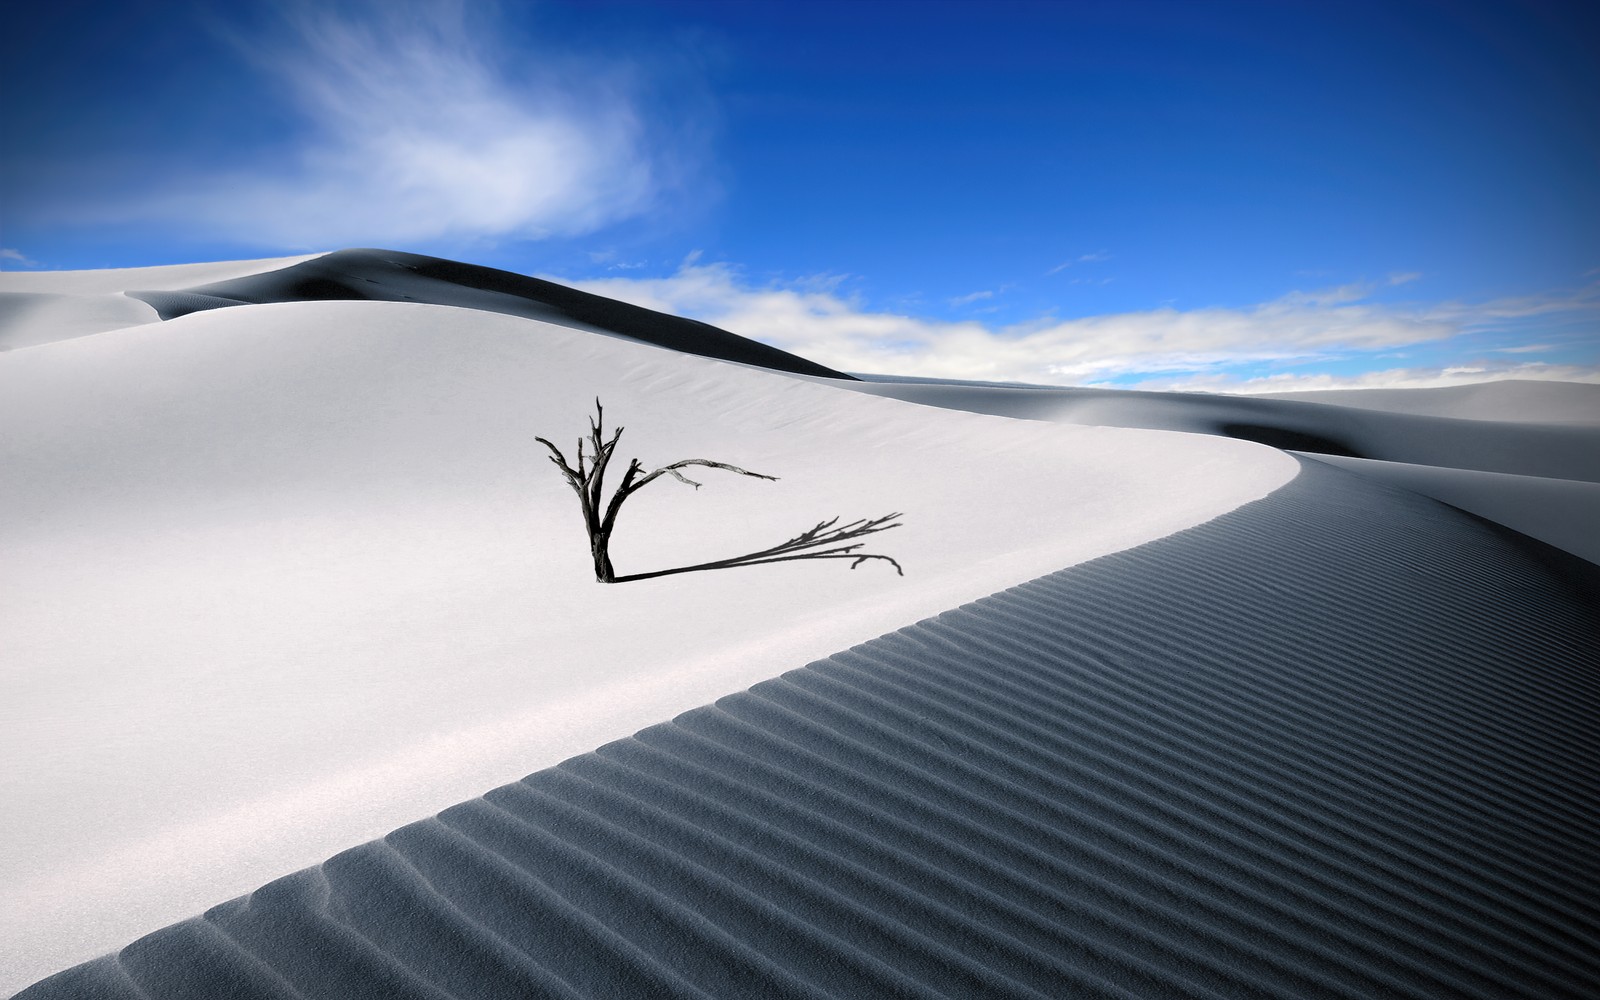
[(17, 257), (418, 126), (1524, 349), (1391, 378), (814, 321)]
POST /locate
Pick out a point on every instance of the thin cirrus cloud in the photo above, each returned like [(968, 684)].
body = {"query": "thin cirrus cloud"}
[(970, 298), (1087, 258), (414, 126), (1218, 348), (1386, 378)]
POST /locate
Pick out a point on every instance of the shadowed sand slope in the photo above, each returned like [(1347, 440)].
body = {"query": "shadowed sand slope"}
[(1520, 400), (1560, 512), (393, 276), (1338, 742), (1568, 448)]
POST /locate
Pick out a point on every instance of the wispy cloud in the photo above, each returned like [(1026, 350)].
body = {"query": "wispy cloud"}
[(1088, 258), (1172, 345), (1352, 292), (613, 261), (1524, 349), (417, 124), (13, 256), (968, 299), (1387, 378)]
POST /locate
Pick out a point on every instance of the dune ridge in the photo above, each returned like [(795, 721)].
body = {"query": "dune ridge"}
[(43, 307), (1537, 473), (1518, 400), (1561, 449), (1337, 742), (394, 276)]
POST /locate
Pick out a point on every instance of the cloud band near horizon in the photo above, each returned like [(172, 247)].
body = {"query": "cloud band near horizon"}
[(1255, 348)]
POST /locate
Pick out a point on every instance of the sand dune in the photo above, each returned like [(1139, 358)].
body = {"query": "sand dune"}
[(288, 571), (392, 276), (1562, 450), (1516, 400), (1227, 763), (1538, 476), (41, 307), (282, 577), (1560, 512)]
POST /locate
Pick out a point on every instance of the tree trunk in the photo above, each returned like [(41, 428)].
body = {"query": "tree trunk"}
[(600, 545)]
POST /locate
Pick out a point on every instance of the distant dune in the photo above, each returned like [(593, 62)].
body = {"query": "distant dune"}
[(1515, 400), (1538, 476), (1240, 696), (41, 307), (391, 276)]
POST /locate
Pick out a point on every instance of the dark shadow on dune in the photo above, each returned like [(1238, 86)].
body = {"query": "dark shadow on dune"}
[(171, 305), (1288, 440), (392, 276), (1337, 743)]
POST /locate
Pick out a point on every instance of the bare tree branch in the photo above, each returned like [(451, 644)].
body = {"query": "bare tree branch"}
[(815, 543), (588, 482), (672, 470)]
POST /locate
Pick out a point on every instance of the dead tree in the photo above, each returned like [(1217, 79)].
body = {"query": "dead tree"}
[(600, 515)]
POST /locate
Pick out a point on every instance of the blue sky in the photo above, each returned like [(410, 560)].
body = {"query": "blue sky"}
[(1234, 196)]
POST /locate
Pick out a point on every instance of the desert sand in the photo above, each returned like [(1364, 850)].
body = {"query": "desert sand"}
[(1229, 703)]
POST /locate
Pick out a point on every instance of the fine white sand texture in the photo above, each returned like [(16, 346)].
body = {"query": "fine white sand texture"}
[(280, 578), (287, 573)]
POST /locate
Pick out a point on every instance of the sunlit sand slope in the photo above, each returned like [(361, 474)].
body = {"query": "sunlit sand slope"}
[(42, 307), (1338, 742)]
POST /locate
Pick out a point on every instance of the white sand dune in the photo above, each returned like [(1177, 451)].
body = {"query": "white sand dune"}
[(393, 276), (287, 573), (1536, 474), (283, 577), (41, 307), (1515, 400), (1559, 449)]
